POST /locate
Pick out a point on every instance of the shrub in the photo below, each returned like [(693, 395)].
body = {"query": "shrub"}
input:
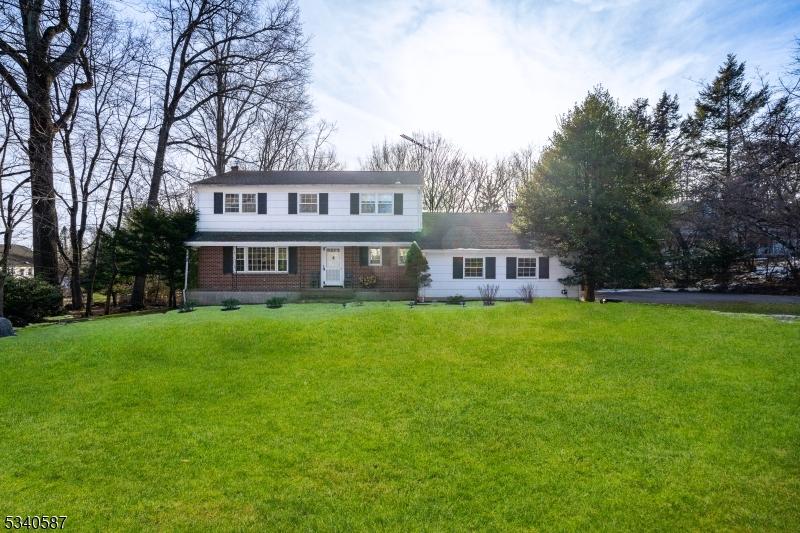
[(454, 300), (417, 269), (368, 282), (526, 293), (187, 306), (488, 293), (231, 304), (30, 300), (276, 302)]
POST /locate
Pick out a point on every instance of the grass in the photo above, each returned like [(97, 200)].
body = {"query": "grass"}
[(555, 415), (754, 307)]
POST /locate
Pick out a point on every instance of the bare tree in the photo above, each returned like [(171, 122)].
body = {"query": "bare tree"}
[(454, 181), (271, 71), (449, 185), (14, 175), (39, 40), (94, 138), (194, 46)]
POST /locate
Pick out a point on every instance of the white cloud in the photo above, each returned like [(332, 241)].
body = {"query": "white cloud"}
[(494, 77)]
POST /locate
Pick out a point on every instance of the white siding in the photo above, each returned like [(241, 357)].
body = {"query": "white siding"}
[(443, 284), (337, 219)]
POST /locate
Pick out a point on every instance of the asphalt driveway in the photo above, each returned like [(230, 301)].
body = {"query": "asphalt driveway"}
[(694, 297)]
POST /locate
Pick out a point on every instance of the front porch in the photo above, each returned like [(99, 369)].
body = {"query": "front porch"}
[(327, 272), (327, 294)]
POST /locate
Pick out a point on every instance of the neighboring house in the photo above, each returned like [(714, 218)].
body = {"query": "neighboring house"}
[(20, 261), (295, 234)]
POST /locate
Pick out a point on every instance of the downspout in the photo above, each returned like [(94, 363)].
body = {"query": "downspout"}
[(186, 277)]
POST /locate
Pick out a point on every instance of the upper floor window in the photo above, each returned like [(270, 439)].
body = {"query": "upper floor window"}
[(377, 203), (249, 203), (526, 267), (375, 257), (241, 203), (401, 256), (473, 267), (231, 203), (307, 203)]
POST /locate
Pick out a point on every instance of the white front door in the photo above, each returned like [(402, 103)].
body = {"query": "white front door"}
[(333, 267)]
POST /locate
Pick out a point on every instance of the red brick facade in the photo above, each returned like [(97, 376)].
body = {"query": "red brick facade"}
[(390, 276)]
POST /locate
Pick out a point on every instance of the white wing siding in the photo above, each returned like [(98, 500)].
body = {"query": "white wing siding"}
[(443, 284), (337, 219)]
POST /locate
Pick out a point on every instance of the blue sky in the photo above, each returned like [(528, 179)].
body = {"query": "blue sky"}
[(494, 76)]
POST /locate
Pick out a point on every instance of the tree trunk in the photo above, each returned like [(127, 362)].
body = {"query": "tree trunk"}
[(43, 204), (2, 293), (589, 287), (137, 294), (75, 284)]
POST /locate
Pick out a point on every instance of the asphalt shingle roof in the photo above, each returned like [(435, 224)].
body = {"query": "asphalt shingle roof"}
[(303, 236), (328, 177), (441, 231), (469, 230)]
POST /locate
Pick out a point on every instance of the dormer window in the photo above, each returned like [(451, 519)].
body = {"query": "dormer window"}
[(308, 203), (380, 204)]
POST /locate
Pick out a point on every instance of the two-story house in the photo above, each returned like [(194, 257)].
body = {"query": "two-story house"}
[(286, 233)]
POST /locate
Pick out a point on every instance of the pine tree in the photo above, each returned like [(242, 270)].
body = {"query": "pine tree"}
[(417, 269), (716, 136), (597, 197)]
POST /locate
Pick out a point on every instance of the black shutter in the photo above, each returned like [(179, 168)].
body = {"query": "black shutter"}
[(217, 203), (386, 256), (544, 268), (490, 267), (292, 203), (363, 256), (227, 259), (458, 268), (398, 203), (354, 203), (262, 203), (293, 260), (323, 203), (511, 268)]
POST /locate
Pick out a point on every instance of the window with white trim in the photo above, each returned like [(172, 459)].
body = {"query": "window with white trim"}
[(248, 203), (261, 259), (375, 257), (473, 267), (526, 267), (401, 256), (377, 203), (307, 203), (231, 203)]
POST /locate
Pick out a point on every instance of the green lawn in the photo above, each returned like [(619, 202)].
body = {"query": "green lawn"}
[(555, 415)]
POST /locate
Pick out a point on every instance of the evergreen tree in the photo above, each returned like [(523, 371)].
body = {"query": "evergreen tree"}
[(417, 270), (151, 243), (597, 197), (716, 136), (666, 119)]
